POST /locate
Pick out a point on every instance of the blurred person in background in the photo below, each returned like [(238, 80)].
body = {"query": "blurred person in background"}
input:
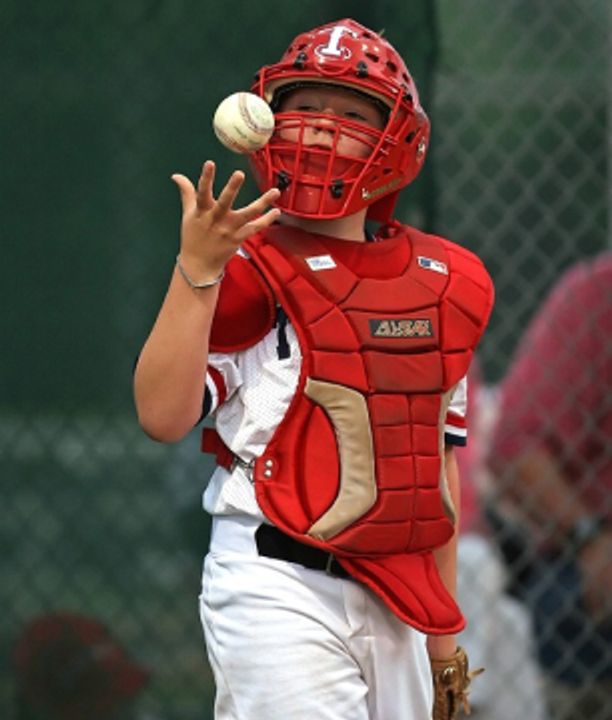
[(551, 456), (69, 667), (495, 619)]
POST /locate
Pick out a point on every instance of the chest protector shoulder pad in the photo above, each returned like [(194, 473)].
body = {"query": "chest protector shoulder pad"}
[(245, 310)]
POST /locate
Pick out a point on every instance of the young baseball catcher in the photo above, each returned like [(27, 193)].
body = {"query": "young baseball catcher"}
[(333, 360)]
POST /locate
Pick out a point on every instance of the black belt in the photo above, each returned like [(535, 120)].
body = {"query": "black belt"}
[(273, 543)]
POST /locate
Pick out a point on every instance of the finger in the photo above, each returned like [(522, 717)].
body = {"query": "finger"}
[(260, 223), (205, 199), (186, 189), (258, 206), (229, 193)]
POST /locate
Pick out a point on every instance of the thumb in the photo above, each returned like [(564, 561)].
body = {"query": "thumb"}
[(186, 190)]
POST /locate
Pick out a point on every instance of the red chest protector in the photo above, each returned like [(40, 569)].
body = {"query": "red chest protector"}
[(356, 465)]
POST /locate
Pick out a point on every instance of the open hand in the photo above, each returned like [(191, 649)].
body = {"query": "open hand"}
[(211, 229)]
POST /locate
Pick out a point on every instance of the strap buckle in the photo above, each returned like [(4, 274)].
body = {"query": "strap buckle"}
[(246, 467)]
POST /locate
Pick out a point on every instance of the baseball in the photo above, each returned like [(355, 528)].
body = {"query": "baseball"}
[(243, 122)]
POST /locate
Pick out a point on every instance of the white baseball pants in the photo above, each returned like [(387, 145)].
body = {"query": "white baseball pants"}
[(288, 643)]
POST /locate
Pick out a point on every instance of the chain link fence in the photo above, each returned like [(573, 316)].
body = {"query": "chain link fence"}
[(521, 147), (102, 102), (521, 154)]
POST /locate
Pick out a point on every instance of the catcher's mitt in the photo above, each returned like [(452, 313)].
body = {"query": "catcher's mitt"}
[(451, 680)]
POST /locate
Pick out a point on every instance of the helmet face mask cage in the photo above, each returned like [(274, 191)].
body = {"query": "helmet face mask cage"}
[(319, 181), (328, 177)]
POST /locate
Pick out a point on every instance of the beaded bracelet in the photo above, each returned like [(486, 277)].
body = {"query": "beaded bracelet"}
[(194, 285)]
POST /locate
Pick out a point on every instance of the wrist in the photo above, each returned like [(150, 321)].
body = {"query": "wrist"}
[(206, 280), (440, 647)]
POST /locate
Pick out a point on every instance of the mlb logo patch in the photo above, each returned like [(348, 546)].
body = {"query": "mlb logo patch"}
[(320, 262), (431, 264)]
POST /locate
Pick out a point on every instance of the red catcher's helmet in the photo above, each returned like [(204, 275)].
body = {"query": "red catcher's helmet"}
[(317, 182)]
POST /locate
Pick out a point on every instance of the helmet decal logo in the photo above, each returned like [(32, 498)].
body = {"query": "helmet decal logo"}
[(382, 190), (333, 49)]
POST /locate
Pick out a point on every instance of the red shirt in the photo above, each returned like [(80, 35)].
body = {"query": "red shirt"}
[(558, 391)]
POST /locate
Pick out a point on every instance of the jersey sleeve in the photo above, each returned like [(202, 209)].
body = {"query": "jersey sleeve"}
[(455, 427), (223, 378)]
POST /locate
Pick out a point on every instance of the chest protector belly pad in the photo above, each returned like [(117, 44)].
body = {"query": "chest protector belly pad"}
[(356, 467)]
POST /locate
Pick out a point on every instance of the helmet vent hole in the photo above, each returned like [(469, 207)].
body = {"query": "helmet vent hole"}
[(362, 69), (410, 136), (372, 56), (391, 66), (300, 60)]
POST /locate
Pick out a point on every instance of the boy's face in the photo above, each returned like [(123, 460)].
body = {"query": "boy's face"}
[(326, 104)]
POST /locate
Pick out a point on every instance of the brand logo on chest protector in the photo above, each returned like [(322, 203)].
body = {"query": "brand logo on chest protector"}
[(407, 328), (320, 262)]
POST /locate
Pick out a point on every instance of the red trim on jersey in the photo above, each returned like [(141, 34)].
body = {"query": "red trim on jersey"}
[(455, 420), (219, 382)]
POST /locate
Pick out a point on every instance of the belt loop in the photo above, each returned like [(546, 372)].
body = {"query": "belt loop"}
[(328, 564)]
